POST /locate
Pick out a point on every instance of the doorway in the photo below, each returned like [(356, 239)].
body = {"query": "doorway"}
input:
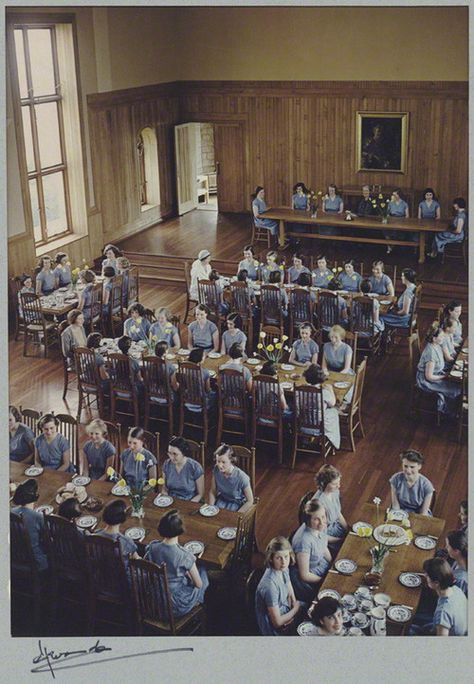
[(206, 168)]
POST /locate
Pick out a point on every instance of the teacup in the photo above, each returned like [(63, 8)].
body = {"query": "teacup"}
[(349, 601), (365, 605), (378, 612), (355, 631), (382, 600)]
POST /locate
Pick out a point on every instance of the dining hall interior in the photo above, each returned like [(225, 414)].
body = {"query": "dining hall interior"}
[(178, 177)]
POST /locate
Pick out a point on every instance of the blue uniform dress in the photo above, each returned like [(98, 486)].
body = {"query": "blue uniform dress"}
[(107, 287), (332, 506), (350, 282), (335, 361), (63, 274), (164, 333), (331, 206), (125, 301), (97, 457), (51, 455), (230, 490), (127, 545), (229, 339), (202, 337), (20, 442), (184, 595), (269, 224), (380, 285), (272, 592), (129, 466), (182, 485), (300, 203), (460, 577), (34, 523), (451, 612), (394, 321), (266, 270), (322, 278), (448, 346), (457, 334), (397, 209), (447, 237), (428, 211), (137, 330), (411, 498), (251, 267), (294, 273), (47, 280), (304, 351), (306, 540), (86, 302), (447, 391)]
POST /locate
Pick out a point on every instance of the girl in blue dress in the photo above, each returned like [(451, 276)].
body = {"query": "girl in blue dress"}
[(111, 252), (184, 476), (203, 333), (337, 356), (109, 274), (310, 544), (236, 363), (299, 199), (98, 453), (186, 581), (399, 316), (249, 263), (454, 310), (411, 491), (122, 268), (276, 606), (349, 278), (85, 296), (114, 515), (233, 334), (136, 326), (430, 374), (379, 281), (136, 462), (459, 225), (21, 438), (297, 269), (456, 547), (304, 350), (62, 270), (322, 275), (429, 207), (52, 449), (276, 278), (399, 208), (164, 331), (328, 479), (94, 343), (270, 266), (26, 287), (222, 307), (230, 486), (332, 204), (161, 351), (258, 208), (45, 277), (24, 498)]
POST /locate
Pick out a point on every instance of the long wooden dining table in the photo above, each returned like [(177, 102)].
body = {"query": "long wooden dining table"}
[(216, 552), (422, 227)]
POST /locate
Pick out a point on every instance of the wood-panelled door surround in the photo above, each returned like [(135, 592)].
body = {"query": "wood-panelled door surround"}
[(229, 155), (186, 166)]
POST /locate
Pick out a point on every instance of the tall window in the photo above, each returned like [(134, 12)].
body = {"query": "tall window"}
[(41, 102)]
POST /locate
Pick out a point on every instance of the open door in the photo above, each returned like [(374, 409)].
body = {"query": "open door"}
[(229, 154), (186, 168)]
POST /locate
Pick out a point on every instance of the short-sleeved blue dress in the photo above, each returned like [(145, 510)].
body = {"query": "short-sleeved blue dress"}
[(272, 592), (51, 455), (332, 505), (428, 211), (47, 280), (460, 577), (266, 270), (411, 498), (164, 333), (294, 273), (350, 282), (269, 224), (314, 543), (393, 320), (331, 206), (63, 274), (251, 267), (97, 457), (380, 285), (34, 523), (322, 278), (451, 612), (230, 490), (202, 337), (304, 351), (137, 330), (336, 359), (238, 337), (448, 237), (132, 469), (235, 365), (20, 442), (182, 485), (447, 391)]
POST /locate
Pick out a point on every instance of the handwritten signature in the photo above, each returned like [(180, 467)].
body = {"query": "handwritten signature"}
[(53, 661)]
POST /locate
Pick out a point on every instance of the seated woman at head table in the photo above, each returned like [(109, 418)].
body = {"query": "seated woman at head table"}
[(314, 375), (297, 269), (456, 546), (200, 269), (430, 374), (310, 544), (98, 453), (183, 475), (328, 479), (304, 350), (111, 253), (332, 204), (429, 207), (411, 491), (399, 208), (52, 449), (299, 199), (203, 333), (457, 232), (230, 486), (113, 516), (137, 463), (337, 356), (364, 288), (327, 616), (365, 206), (164, 330), (276, 607), (236, 363), (249, 263), (136, 327), (399, 315), (21, 438), (380, 282), (93, 342), (322, 275), (197, 356), (187, 581), (454, 310), (45, 276), (24, 499), (73, 336), (233, 334), (259, 207), (270, 266), (349, 278), (62, 270)]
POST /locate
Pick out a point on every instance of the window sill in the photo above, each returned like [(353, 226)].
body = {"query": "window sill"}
[(54, 245)]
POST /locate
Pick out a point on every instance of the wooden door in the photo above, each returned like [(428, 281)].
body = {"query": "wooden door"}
[(186, 167), (229, 155)]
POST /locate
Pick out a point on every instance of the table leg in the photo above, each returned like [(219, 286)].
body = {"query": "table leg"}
[(421, 247), (281, 236)]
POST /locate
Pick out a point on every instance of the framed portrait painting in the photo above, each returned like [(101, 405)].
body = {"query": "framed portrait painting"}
[(382, 141)]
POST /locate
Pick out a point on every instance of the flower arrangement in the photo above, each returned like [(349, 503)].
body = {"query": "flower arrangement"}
[(140, 488), (380, 551), (380, 204), (314, 199), (272, 351), (76, 272)]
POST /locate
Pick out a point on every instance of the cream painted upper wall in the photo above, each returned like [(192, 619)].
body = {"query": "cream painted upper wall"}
[(314, 43)]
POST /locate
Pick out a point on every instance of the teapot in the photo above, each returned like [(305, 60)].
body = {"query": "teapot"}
[(378, 622)]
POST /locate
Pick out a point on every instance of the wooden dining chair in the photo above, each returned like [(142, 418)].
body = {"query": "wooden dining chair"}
[(303, 501), (152, 603), (433, 502), (198, 451), (151, 440), (192, 393), (463, 417), (233, 404), (187, 279), (30, 417), (69, 368), (114, 435), (14, 287), (267, 413), (208, 294), (93, 318), (25, 582), (456, 250), (327, 309), (89, 382), (271, 310), (361, 321), (351, 338), (133, 296), (68, 426), (246, 459), (123, 388), (308, 423), (158, 392), (37, 327), (260, 234), (350, 415), (393, 333), (115, 318), (300, 308), (241, 303)]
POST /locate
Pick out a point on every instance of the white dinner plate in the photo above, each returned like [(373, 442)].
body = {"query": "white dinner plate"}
[(372, 294), (456, 373), (258, 368), (135, 533), (391, 535), (286, 385), (342, 291), (346, 566), (163, 500), (397, 514), (385, 301), (184, 352), (196, 547), (62, 289), (86, 521), (208, 511), (117, 490), (410, 580), (253, 362), (287, 367), (425, 543), (332, 593), (33, 471), (307, 629), (80, 480), (399, 613), (360, 620), (342, 385), (46, 509), (360, 524), (227, 533), (214, 355)]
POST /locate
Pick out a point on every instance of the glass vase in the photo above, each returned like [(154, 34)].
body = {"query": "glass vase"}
[(378, 561), (137, 507)]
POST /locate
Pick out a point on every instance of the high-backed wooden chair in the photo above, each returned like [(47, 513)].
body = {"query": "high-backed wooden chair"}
[(192, 393), (89, 382), (24, 574), (362, 322), (208, 294), (300, 308), (241, 303), (69, 428), (14, 287), (37, 327), (421, 402), (233, 404), (246, 462), (93, 318), (267, 412), (260, 234), (152, 603), (303, 501), (456, 250), (122, 387), (133, 286), (352, 339), (308, 423), (350, 415), (187, 279), (69, 368), (327, 309), (271, 310), (198, 451), (158, 392), (114, 435), (151, 440), (30, 417), (116, 317)]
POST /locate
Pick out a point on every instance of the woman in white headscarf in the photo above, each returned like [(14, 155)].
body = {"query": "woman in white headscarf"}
[(200, 270)]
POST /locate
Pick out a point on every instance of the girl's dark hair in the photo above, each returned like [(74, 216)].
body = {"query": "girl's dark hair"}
[(439, 570), (320, 257), (325, 607), (24, 277), (447, 323), (314, 374), (333, 185), (453, 304), (124, 343), (433, 331), (365, 286), (326, 474), (398, 191), (242, 275), (460, 201), (257, 190), (88, 276), (161, 348), (109, 271), (235, 351), (196, 355), (73, 316), (181, 444), (225, 450), (115, 512), (171, 524), (236, 319), (203, 307), (269, 368), (413, 456), (70, 509), (214, 275), (26, 492), (378, 262), (304, 279), (429, 190), (274, 277), (15, 413), (138, 308), (463, 504), (351, 262), (59, 256), (409, 274), (114, 249), (458, 540), (47, 418), (249, 248), (93, 340), (297, 255), (300, 184), (311, 507), (136, 433), (41, 261)]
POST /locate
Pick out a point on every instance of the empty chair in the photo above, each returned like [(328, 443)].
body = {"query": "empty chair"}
[(350, 414), (233, 404), (267, 412), (308, 423), (123, 388), (37, 327), (158, 392)]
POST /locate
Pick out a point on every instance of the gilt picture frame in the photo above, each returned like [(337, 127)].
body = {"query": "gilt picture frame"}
[(382, 141)]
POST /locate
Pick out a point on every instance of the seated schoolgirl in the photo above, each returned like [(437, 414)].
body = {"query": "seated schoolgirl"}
[(326, 615), (183, 475), (314, 375), (411, 491), (161, 349), (454, 310), (322, 275), (52, 449), (93, 342), (62, 270), (365, 288), (163, 329), (98, 453), (349, 278), (136, 327), (304, 350), (275, 278), (230, 486), (137, 464), (45, 277), (269, 368), (380, 282), (328, 480), (310, 544), (430, 373), (399, 315), (270, 266), (21, 437), (124, 343), (456, 546), (202, 332), (233, 334), (297, 269), (111, 252), (249, 263), (24, 499)]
